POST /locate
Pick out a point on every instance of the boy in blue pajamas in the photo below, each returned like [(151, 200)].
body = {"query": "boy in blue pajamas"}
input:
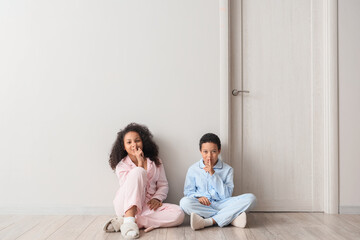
[(208, 189)]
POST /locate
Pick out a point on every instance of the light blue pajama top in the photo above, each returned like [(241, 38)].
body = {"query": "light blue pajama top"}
[(199, 183)]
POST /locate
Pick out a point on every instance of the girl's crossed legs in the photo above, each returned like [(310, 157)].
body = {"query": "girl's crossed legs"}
[(132, 194)]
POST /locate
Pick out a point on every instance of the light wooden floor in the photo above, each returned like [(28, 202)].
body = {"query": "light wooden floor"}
[(282, 226)]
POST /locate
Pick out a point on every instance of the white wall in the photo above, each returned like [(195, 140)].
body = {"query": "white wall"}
[(73, 73), (349, 105)]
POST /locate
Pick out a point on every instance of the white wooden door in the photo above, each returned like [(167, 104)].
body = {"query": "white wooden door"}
[(277, 128)]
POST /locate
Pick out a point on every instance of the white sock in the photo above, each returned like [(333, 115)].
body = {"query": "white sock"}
[(208, 222), (128, 220)]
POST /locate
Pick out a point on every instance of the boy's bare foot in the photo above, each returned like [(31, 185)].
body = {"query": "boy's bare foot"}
[(196, 222), (240, 221)]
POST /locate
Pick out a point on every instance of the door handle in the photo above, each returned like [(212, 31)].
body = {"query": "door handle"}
[(236, 92)]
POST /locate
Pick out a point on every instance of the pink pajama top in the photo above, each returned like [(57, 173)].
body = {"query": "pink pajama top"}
[(157, 185)]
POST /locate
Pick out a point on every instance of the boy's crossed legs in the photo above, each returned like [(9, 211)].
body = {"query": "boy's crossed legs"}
[(223, 212)]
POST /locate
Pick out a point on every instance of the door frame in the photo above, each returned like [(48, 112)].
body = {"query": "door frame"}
[(330, 77)]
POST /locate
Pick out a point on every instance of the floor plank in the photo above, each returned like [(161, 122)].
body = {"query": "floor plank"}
[(94, 230), (7, 220), (189, 233), (338, 227), (19, 226), (159, 233), (177, 233), (115, 236), (352, 219), (264, 226), (284, 226), (210, 233), (258, 227), (72, 228), (47, 226), (232, 233)]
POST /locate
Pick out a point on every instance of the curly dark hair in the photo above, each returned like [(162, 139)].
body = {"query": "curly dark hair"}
[(150, 149)]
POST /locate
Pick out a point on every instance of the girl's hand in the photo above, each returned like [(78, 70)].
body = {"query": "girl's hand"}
[(209, 168), (139, 157), (154, 204), (204, 201)]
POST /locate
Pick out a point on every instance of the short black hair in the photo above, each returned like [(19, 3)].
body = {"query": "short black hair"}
[(210, 137)]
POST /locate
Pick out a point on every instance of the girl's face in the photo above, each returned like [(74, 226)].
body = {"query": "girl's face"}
[(132, 142), (209, 152)]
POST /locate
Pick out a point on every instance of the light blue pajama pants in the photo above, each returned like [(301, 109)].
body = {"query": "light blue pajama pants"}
[(223, 211)]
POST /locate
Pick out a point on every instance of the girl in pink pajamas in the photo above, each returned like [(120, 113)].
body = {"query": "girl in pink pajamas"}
[(143, 185)]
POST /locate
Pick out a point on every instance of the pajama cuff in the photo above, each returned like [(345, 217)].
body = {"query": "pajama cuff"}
[(161, 198), (195, 195)]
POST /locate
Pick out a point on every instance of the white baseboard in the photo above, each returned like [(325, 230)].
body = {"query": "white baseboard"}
[(349, 209), (56, 210)]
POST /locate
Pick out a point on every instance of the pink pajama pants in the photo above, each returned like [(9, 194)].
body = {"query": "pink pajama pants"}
[(133, 193)]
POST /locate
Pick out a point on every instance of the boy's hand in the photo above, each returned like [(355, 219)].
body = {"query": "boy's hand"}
[(154, 203), (204, 201), (209, 168)]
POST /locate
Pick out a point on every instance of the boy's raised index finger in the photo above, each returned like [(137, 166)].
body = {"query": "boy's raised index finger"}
[(210, 163)]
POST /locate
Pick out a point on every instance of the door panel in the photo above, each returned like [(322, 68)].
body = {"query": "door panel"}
[(273, 125)]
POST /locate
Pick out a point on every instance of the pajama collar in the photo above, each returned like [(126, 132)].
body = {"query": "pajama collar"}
[(218, 165)]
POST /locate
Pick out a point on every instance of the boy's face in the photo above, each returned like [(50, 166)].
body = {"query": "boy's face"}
[(210, 153)]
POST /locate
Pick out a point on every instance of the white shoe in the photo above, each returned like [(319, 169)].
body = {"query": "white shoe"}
[(240, 221), (113, 225), (130, 230), (196, 222)]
